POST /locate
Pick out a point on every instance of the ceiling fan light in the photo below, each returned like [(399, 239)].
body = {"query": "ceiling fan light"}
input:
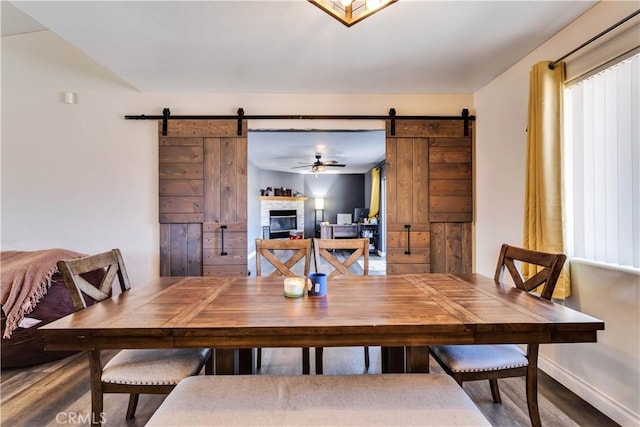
[(346, 3)]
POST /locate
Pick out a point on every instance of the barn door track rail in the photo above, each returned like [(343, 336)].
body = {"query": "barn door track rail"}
[(392, 116)]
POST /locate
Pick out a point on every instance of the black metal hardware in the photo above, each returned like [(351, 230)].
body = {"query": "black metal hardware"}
[(408, 227), (165, 119), (465, 117), (292, 117), (240, 116), (222, 228), (392, 116)]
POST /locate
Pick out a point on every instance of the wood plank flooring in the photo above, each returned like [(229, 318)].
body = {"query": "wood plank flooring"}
[(58, 393)]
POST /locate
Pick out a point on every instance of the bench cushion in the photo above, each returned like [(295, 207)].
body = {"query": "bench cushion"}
[(389, 399)]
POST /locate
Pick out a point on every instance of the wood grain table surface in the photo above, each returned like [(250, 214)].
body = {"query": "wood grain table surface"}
[(403, 310)]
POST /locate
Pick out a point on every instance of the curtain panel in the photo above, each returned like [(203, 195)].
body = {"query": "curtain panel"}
[(543, 228), (374, 206)]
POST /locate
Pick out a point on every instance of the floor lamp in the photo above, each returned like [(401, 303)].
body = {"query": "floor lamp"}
[(319, 207)]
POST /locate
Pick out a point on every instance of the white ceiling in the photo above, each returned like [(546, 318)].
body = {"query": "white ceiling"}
[(282, 151), (293, 47)]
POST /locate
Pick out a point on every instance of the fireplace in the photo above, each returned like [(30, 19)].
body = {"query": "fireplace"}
[(280, 215), (281, 222)]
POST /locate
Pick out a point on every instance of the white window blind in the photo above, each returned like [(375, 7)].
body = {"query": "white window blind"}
[(602, 165)]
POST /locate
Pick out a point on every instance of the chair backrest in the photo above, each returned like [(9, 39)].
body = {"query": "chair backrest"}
[(360, 247), (73, 270), (549, 267), (269, 249)]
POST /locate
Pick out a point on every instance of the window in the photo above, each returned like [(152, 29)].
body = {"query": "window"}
[(602, 165)]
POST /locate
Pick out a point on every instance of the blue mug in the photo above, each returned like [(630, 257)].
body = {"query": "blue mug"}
[(317, 284)]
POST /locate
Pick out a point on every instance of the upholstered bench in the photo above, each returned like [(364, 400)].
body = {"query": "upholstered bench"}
[(367, 400)]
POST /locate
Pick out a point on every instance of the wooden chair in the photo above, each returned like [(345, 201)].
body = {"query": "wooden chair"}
[(296, 250), (130, 371), (324, 249), (481, 362)]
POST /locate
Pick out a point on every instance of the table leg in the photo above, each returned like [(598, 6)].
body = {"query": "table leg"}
[(246, 361), (418, 359), (392, 360), (226, 361)]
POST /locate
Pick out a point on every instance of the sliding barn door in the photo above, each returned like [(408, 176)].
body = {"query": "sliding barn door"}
[(407, 171), (203, 198), (429, 197)]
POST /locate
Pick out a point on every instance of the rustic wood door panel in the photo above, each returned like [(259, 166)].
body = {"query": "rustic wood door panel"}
[(221, 250), (181, 204), (181, 187), (226, 180), (399, 240), (407, 174), (180, 249), (451, 248), (225, 270), (428, 128), (450, 179), (203, 181), (429, 184), (231, 241), (212, 257), (180, 171), (407, 268), (398, 244)]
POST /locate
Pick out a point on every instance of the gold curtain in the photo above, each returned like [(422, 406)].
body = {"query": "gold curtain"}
[(543, 193), (374, 207)]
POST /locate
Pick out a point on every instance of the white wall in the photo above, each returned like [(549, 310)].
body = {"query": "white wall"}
[(607, 373), (83, 178)]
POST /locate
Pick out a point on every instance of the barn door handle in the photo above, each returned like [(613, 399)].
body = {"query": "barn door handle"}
[(222, 228), (408, 227)]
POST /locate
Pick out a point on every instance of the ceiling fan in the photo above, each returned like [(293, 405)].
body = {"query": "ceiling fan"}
[(319, 165)]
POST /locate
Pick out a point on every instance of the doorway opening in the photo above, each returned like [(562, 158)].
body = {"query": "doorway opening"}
[(283, 158)]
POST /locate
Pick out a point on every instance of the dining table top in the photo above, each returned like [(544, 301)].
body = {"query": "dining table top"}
[(392, 310)]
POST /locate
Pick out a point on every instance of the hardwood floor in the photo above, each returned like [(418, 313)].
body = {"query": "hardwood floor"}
[(58, 393)]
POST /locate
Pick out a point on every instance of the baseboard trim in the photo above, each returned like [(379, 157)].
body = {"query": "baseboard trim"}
[(595, 397)]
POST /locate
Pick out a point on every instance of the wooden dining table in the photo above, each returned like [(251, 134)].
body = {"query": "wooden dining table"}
[(403, 314)]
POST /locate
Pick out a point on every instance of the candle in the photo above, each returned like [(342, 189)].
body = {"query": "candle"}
[(294, 286)]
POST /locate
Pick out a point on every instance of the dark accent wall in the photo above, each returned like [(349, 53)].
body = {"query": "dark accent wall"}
[(341, 194)]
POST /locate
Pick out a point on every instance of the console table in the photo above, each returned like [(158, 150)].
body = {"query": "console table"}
[(337, 231), (351, 231)]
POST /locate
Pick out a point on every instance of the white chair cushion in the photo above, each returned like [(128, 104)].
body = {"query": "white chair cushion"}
[(477, 358), (154, 367)]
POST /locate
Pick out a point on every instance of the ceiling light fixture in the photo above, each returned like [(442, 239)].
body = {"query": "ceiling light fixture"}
[(316, 169), (350, 12)]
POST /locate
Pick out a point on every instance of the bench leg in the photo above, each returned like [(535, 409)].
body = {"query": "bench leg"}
[(366, 357), (319, 359), (306, 362)]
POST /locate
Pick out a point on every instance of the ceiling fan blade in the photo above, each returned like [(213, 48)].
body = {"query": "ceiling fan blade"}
[(303, 166), (335, 165)]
